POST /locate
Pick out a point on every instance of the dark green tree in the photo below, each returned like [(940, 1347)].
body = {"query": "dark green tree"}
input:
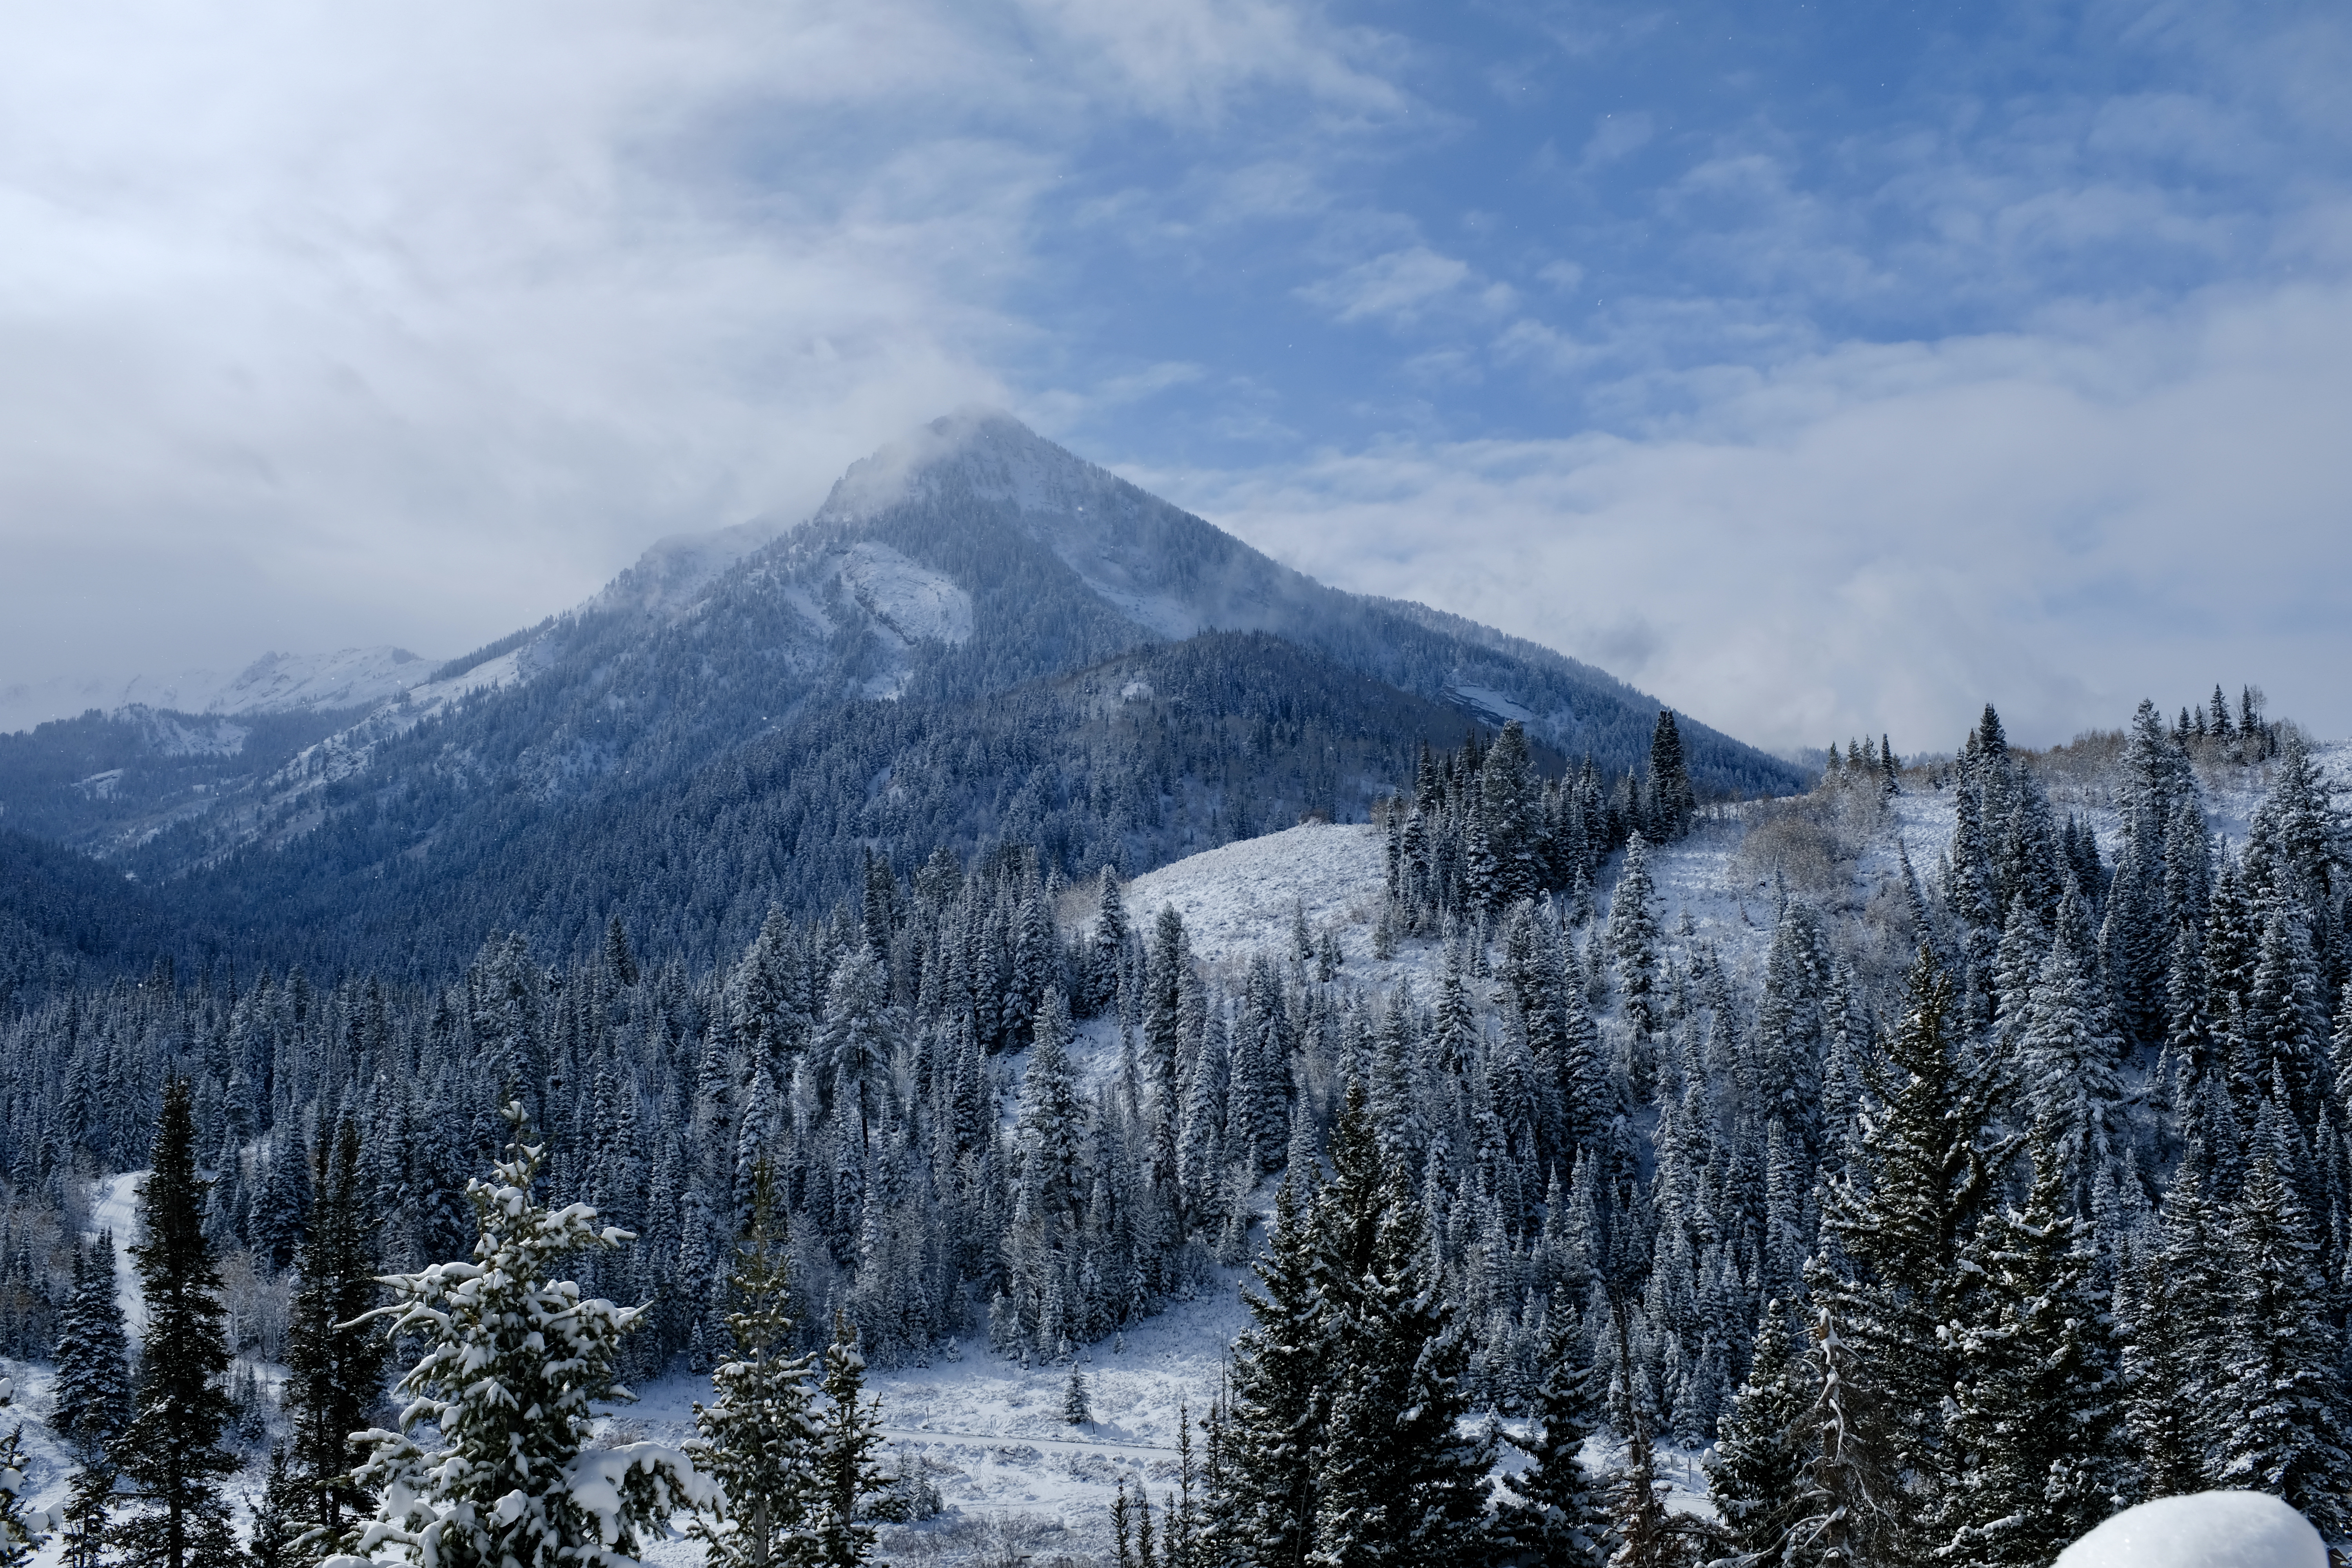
[(1554, 1517), (1918, 1179), (170, 1455), (93, 1389), (1670, 800), (2036, 1412), (335, 1363), (277, 1516), (1757, 1471)]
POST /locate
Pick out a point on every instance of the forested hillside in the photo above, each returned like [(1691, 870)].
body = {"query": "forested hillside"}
[(2003, 1093)]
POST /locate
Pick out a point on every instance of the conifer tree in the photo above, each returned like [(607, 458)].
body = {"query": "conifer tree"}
[(1672, 801), (171, 1453), (2281, 1419), (1918, 1180), (1634, 937), (277, 1515), (1075, 1410), (1554, 1517), (2036, 1410), (1262, 1458), (1757, 1471), (756, 1434), (87, 1513), (515, 1360), (334, 1361), (93, 1399), (848, 1430)]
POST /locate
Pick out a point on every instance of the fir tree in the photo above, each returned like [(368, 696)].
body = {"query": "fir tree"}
[(515, 1360), (1075, 1410), (1262, 1458), (171, 1452), (1634, 937), (2283, 1415), (756, 1434), (334, 1361), (1672, 801), (1395, 1480), (1918, 1180), (1757, 1471), (93, 1399), (1553, 1517), (88, 1514), (2036, 1409), (848, 1430)]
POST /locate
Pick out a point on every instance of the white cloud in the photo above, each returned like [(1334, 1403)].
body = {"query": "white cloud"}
[(1397, 288), (1885, 538), (410, 322)]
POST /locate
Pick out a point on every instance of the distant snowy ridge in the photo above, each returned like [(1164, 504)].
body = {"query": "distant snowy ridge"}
[(274, 683)]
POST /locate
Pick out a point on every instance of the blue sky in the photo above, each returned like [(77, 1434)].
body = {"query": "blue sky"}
[(1822, 369)]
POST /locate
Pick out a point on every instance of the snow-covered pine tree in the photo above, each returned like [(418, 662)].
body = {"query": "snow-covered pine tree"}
[(1919, 1177), (277, 1515), (2036, 1412), (756, 1434), (515, 1360), (87, 1513), (1395, 1480), (171, 1453), (1632, 937), (1672, 801), (92, 1397), (1553, 1517), (334, 1361), (1262, 1454), (1076, 1409), (2282, 1416), (848, 1431), (1758, 1469)]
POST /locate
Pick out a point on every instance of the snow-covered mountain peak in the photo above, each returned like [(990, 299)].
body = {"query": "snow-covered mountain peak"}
[(982, 453)]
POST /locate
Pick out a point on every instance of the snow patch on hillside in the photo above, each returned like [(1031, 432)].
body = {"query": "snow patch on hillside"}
[(914, 600), (1242, 895)]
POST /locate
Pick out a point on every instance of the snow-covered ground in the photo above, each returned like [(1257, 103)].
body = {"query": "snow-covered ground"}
[(989, 1433)]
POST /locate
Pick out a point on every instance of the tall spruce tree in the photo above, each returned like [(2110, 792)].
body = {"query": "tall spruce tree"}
[(2282, 1413), (335, 1362), (1757, 1471), (170, 1454), (757, 1434), (1672, 801), (2036, 1413), (1263, 1454), (1553, 1517), (1919, 1176)]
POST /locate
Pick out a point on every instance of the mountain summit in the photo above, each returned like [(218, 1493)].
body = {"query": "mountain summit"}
[(978, 639)]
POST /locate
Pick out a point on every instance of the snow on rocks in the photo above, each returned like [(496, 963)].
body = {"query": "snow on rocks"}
[(2205, 1529)]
